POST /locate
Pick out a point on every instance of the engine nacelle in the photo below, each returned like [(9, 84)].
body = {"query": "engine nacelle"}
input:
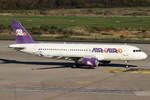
[(92, 62)]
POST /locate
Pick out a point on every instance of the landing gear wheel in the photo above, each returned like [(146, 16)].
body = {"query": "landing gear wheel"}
[(127, 66), (75, 65)]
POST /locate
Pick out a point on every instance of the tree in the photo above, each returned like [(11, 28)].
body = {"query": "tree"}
[(51, 4)]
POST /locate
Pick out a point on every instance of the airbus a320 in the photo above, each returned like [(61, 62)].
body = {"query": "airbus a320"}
[(82, 53)]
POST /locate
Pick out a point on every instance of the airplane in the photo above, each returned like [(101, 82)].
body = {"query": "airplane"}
[(90, 55)]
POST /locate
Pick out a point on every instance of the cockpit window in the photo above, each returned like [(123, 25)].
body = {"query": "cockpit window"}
[(137, 50)]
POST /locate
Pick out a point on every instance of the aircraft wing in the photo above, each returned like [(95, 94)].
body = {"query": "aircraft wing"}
[(70, 58)]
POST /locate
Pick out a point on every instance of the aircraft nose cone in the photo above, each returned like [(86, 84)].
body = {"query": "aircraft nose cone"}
[(145, 55)]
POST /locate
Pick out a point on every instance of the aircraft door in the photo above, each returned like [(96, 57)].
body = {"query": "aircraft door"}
[(125, 54)]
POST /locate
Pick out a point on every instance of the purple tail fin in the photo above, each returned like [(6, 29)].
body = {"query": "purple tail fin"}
[(22, 36)]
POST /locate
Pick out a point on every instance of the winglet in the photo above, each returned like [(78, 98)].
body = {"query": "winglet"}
[(22, 36)]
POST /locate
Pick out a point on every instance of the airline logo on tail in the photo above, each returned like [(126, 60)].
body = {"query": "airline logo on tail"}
[(19, 32)]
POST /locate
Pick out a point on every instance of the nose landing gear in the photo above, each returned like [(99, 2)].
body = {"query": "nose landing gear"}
[(126, 62)]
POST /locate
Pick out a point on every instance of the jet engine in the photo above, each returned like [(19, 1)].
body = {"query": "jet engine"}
[(92, 62)]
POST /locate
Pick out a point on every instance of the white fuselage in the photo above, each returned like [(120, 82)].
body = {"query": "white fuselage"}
[(72, 50)]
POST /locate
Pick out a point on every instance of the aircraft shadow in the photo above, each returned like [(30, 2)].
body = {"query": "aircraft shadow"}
[(60, 64), (116, 65)]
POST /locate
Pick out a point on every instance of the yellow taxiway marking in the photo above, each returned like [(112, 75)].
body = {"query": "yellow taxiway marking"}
[(83, 82), (129, 70), (142, 93)]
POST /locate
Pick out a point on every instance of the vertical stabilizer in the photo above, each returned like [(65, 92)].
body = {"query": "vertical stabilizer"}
[(22, 36)]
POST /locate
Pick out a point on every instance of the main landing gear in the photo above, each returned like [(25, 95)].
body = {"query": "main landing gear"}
[(76, 64)]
